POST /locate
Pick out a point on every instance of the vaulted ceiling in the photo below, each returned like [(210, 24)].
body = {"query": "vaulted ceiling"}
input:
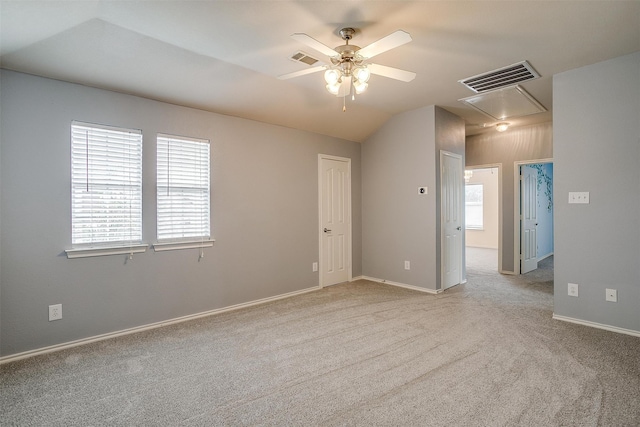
[(225, 56)]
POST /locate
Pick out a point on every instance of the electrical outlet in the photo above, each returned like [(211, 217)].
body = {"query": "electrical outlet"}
[(55, 312), (314, 266), (407, 265), (611, 295), (573, 289)]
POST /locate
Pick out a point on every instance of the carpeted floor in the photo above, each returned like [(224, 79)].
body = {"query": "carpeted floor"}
[(484, 353)]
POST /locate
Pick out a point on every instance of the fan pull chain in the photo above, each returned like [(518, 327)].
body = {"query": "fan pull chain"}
[(344, 104)]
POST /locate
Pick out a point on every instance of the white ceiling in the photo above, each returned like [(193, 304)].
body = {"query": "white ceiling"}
[(224, 56)]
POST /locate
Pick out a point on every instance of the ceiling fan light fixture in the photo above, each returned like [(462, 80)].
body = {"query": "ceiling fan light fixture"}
[(347, 73), (501, 127)]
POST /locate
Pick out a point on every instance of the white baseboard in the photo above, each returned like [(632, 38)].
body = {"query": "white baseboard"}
[(512, 273), (597, 325), (543, 257), (102, 337), (401, 285)]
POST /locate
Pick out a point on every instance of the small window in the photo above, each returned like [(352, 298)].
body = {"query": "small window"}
[(474, 206), (183, 178), (106, 185)]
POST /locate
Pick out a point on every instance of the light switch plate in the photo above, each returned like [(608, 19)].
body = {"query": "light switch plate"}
[(579, 197)]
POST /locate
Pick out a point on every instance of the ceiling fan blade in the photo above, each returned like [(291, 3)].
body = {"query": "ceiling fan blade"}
[(314, 44), (345, 87), (392, 73), (302, 72), (389, 42)]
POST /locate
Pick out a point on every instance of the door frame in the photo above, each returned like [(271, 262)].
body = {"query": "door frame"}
[(347, 160), (516, 208), (460, 260), (500, 213)]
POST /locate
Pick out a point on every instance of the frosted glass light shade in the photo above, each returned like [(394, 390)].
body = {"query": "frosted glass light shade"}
[(333, 88), (332, 76), (362, 74), (360, 86)]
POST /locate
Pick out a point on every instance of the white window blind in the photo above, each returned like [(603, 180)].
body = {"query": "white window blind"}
[(106, 185), (474, 206), (183, 188)]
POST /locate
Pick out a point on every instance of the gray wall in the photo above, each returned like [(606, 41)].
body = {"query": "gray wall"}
[(264, 216), (597, 149), (517, 144), (398, 224)]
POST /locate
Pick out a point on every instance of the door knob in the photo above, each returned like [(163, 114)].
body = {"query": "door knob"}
[(458, 228), (326, 230)]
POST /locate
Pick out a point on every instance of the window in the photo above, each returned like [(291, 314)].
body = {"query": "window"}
[(106, 187), (473, 206), (183, 190)]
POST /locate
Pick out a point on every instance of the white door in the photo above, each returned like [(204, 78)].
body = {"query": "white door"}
[(528, 219), (335, 220), (451, 179)]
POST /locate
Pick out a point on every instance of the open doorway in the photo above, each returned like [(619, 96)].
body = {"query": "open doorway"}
[(483, 218), (533, 220)]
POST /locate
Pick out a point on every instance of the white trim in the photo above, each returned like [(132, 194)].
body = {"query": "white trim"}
[(516, 208), (170, 246), (106, 127), (102, 337), (500, 213), (402, 285), (545, 256), (106, 250), (184, 138), (353, 279), (347, 160), (597, 325), (512, 273)]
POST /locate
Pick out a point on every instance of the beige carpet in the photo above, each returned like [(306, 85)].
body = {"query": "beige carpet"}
[(485, 353)]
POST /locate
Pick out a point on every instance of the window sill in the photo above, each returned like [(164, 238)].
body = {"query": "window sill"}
[(105, 250), (475, 228), (192, 244)]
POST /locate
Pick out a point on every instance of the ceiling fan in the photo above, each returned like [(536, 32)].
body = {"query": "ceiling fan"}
[(349, 67)]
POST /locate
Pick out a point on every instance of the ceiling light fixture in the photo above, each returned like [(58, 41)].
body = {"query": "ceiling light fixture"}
[(348, 74), (468, 174), (501, 127), (348, 69)]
